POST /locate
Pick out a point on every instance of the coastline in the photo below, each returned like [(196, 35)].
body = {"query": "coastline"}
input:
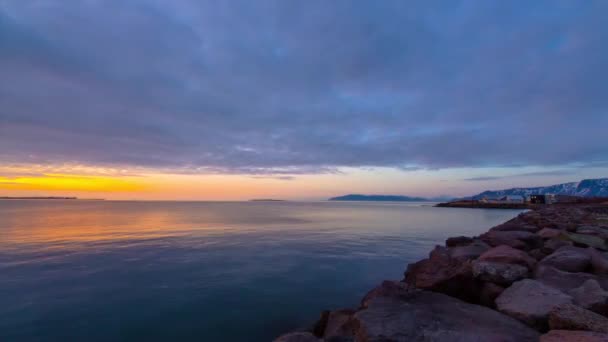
[(542, 275)]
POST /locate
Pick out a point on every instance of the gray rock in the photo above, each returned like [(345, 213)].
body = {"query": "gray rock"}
[(552, 245), (297, 337), (572, 317), (548, 233), (470, 251), (591, 296), (516, 239), (499, 273), (508, 255), (573, 336), (599, 261), (428, 316), (569, 258), (564, 281), (338, 323), (530, 301), (489, 293)]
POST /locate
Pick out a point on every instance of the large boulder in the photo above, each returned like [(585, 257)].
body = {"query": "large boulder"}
[(498, 272), (443, 273), (552, 245), (573, 336), (548, 233), (573, 317), (339, 324), (489, 293), (599, 261), (516, 239), (388, 288), (428, 316), (584, 240), (530, 301), (564, 281), (508, 255), (569, 259), (591, 296), (297, 337), (470, 251), (458, 241)]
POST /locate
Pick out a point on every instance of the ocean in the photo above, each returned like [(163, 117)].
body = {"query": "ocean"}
[(74, 270)]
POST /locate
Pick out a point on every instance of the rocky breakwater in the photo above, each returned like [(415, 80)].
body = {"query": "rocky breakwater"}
[(542, 276)]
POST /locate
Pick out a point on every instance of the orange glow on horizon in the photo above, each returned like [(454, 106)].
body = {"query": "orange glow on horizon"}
[(62, 182)]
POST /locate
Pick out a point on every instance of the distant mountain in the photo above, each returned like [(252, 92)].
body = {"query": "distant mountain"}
[(584, 188), (379, 198)]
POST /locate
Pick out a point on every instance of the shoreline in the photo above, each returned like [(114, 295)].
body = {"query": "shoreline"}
[(542, 275)]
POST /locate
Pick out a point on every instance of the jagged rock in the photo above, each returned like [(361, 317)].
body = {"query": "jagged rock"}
[(508, 255), (548, 233), (297, 337), (564, 281), (428, 316), (388, 288), (442, 273), (568, 258), (572, 317), (552, 245), (338, 323), (573, 336), (583, 240), (499, 273), (599, 261), (458, 241), (530, 301), (470, 251), (591, 296), (489, 293), (515, 239)]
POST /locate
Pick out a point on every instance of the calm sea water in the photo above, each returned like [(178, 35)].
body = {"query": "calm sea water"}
[(203, 271)]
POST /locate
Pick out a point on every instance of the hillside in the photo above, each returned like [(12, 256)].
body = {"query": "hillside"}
[(584, 188)]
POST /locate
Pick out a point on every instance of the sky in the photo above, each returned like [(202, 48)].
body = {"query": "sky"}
[(232, 100)]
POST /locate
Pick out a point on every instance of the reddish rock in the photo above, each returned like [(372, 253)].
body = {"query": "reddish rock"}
[(429, 316), (442, 273), (498, 272), (568, 258), (552, 245), (573, 336), (530, 301), (470, 251), (599, 261), (548, 233), (573, 317), (339, 323), (297, 337), (458, 241), (388, 288), (591, 296), (508, 255), (515, 239), (564, 281), (488, 294)]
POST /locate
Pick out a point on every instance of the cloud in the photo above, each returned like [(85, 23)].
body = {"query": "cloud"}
[(526, 174), (279, 87)]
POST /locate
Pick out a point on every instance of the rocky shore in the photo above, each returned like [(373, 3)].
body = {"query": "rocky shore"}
[(542, 276)]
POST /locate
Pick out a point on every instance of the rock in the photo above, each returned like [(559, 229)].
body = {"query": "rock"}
[(488, 294), (458, 241), (515, 239), (537, 254), (499, 273), (297, 337), (572, 317), (548, 233), (599, 261), (508, 226), (530, 301), (593, 230), (470, 251), (568, 258), (583, 240), (561, 280), (442, 273), (552, 245), (388, 288), (573, 336), (508, 255), (429, 316), (591, 296), (338, 323), (319, 328)]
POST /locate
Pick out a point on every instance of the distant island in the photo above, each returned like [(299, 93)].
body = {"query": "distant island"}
[(380, 198), (584, 188), (37, 198)]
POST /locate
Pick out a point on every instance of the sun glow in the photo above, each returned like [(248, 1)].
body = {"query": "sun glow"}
[(65, 182)]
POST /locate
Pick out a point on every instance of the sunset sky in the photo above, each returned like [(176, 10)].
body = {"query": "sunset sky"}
[(232, 100)]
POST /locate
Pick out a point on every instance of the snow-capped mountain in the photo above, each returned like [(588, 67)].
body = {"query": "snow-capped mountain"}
[(585, 188)]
